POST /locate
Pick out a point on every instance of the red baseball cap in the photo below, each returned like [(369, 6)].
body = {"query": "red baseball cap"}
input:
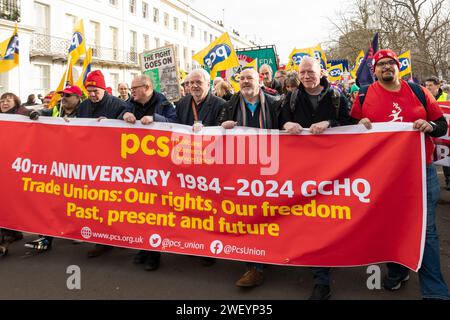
[(72, 90), (385, 53)]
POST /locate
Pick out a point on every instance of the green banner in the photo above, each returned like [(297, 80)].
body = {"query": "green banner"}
[(265, 55)]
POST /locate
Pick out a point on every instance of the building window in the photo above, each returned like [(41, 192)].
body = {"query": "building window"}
[(166, 20), (41, 83), (155, 15), (192, 31), (211, 39), (185, 53), (133, 46), (177, 48), (42, 18), (146, 42), (70, 23), (94, 34), (157, 43), (10, 10), (144, 10), (115, 82), (175, 24), (185, 28), (114, 42), (205, 36), (113, 3), (132, 6)]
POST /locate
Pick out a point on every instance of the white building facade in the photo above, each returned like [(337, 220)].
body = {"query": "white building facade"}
[(117, 30)]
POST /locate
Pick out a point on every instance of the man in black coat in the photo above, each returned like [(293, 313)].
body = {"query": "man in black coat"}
[(99, 103), (200, 105), (316, 106), (147, 105)]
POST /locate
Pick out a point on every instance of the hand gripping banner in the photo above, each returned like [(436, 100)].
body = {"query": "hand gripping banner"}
[(348, 197)]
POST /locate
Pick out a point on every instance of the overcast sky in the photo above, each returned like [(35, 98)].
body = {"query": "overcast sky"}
[(285, 23)]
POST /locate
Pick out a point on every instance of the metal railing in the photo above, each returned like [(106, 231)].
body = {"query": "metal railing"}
[(45, 45), (10, 10)]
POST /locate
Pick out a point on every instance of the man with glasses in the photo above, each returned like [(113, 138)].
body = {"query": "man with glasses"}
[(147, 105), (201, 106), (391, 99), (317, 106)]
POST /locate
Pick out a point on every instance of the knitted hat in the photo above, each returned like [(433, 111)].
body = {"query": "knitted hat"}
[(95, 79), (385, 53)]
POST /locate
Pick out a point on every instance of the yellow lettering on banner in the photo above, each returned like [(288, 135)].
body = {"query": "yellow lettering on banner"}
[(90, 213), (132, 217), (229, 207), (311, 210), (259, 229), (131, 144), (197, 223), (41, 187)]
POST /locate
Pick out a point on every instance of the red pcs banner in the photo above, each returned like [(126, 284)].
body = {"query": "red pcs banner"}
[(349, 197), (442, 151)]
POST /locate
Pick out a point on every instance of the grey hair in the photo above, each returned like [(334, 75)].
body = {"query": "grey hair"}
[(266, 65), (145, 79), (202, 72), (308, 59)]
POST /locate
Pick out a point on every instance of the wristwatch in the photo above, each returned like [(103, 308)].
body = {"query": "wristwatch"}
[(433, 125)]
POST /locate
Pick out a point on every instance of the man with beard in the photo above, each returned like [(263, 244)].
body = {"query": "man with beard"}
[(391, 99)]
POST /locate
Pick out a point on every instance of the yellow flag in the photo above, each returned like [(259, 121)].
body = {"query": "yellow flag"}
[(9, 52), (298, 54), (317, 52), (84, 72), (235, 78), (358, 60), (405, 63), (335, 72), (218, 56), (66, 79), (77, 47)]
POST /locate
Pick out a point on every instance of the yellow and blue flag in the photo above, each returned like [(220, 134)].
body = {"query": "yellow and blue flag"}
[(234, 80), (358, 60), (405, 64), (66, 79), (218, 56), (77, 46), (315, 52), (9, 52), (335, 72), (84, 72)]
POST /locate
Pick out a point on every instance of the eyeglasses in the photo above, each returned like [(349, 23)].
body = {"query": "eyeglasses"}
[(389, 62), (307, 73), (137, 87)]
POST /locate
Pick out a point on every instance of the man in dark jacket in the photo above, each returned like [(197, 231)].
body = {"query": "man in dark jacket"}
[(200, 105), (316, 106), (251, 107), (146, 104), (269, 82), (99, 104)]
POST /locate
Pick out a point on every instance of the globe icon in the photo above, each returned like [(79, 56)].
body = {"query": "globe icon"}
[(86, 232)]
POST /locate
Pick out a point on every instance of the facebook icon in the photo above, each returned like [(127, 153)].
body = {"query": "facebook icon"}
[(216, 247)]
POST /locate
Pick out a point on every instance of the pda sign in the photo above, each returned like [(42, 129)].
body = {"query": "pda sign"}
[(404, 64), (217, 54)]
